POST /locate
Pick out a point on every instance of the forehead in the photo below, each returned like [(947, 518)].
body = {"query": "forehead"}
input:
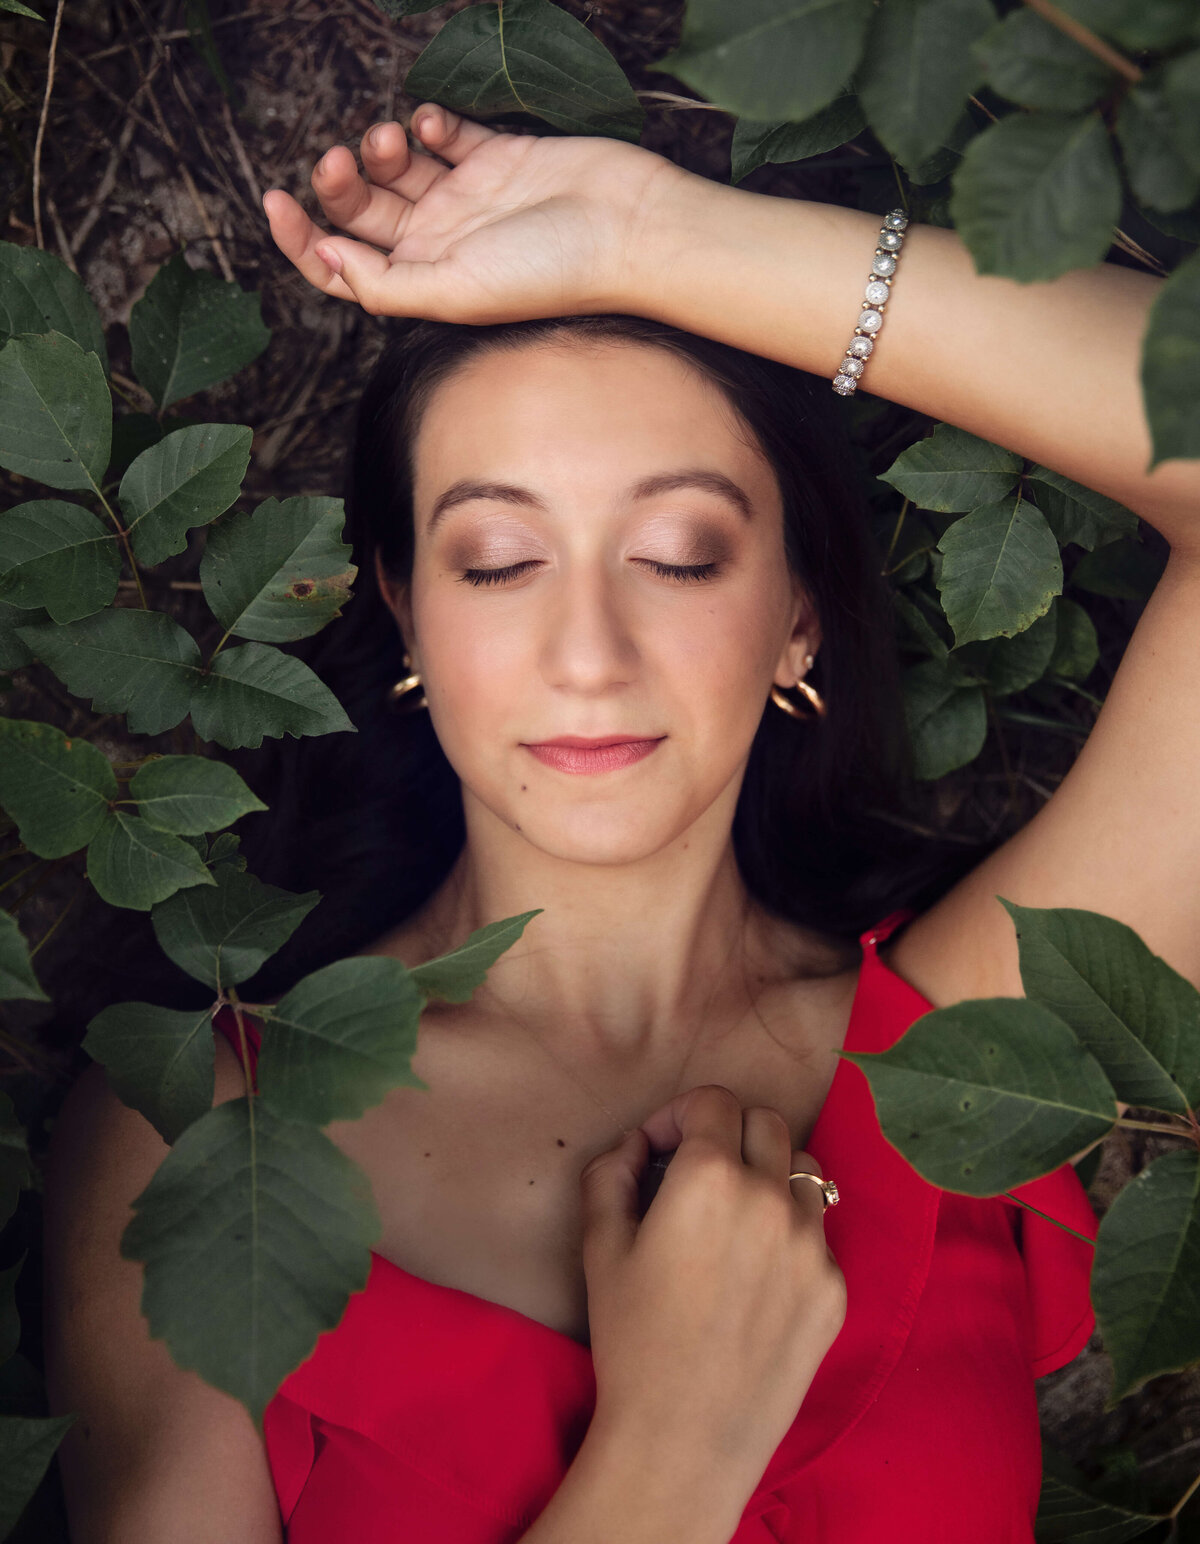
[(568, 416)]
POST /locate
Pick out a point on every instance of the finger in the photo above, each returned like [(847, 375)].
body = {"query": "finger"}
[(806, 1194), (609, 1196), (767, 1141), (448, 134), (296, 237), (710, 1110), (390, 162), (369, 213), (383, 287)]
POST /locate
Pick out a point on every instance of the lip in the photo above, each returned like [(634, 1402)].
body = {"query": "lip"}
[(584, 743), (573, 753)]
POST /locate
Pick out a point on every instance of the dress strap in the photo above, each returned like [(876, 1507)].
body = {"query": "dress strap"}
[(874, 936)]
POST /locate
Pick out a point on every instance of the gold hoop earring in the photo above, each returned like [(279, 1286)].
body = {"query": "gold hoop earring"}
[(814, 697), (402, 687)]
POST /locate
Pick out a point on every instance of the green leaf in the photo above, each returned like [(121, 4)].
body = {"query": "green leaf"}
[(456, 975), (1136, 24), (279, 573), (27, 1442), (18, 9), (1076, 648), (185, 480), (945, 158), (1139, 1018), (986, 1095), (190, 330), (1069, 1514), (1181, 89), (16, 968), (13, 653), (39, 293), (124, 660), (1078, 513), (946, 718), (767, 60), (1126, 570), (55, 411), (922, 630), (918, 70), (256, 690), (530, 57), (1170, 365), (755, 142), (221, 935), (132, 863), (56, 789), (1009, 665), (1001, 569), (340, 1040), (191, 794), (1036, 195), (951, 470), (1033, 63), (254, 1231), (1156, 164), (60, 556), (1146, 1277), (158, 1060), (224, 849)]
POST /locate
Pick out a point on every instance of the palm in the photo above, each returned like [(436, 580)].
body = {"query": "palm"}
[(517, 226)]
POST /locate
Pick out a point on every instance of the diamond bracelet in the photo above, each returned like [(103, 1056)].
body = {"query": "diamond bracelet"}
[(870, 318)]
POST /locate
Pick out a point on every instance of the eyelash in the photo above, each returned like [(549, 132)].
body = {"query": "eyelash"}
[(685, 573)]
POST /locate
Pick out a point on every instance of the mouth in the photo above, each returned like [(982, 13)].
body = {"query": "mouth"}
[(575, 753)]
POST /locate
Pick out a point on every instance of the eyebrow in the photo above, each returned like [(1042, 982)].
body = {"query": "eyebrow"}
[(466, 489)]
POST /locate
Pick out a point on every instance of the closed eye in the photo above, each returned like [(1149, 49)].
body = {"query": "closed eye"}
[(684, 572)]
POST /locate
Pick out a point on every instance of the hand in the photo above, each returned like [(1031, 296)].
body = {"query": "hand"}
[(515, 226), (714, 1312)]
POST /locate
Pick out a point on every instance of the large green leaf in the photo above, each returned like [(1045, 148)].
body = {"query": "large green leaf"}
[(190, 330), (132, 863), (1153, 147), (1146, 1276), (1035, 64), (1136, 24), (158, 1060), (1076, 647), (951, 470), (16, 968), (1126, 569), (527, 56), (454, 976), (185, 480), (39, 293), (918, 70), (1139, 1018), (1008, 665), (1078, 513), (27, 1445), (141, 663), (946, 717), (1036, 195), (60, 556), (340, 1040), (1181, 90), (281, 572), (13, 652), (1171, 365), (191, 794), (254, 1232), (222, 935), (1069, 1514), (256, 690), (56, 789), (755, 143), (55, 411), (769, 58), (989, 1094), (1001, 569)]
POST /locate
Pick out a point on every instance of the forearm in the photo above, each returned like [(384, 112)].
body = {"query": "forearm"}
[(1049, 370), (621, 1489)]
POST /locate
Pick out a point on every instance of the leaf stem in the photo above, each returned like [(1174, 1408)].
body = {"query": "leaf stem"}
[(50, 931), (1185, 1498), (1046, 1215), (898, 527), (1145, 1125), (1086, 39), (124, 535)]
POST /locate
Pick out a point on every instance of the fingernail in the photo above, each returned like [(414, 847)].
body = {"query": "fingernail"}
[(330, 258), (423, 124), (373, 138)]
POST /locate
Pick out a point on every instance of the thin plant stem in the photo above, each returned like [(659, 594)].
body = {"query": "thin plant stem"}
[(1046, 1215)]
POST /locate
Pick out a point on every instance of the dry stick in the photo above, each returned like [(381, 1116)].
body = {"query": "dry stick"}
[(1085, 38), (106, 90), (108, 180), (37, 147), (206, 146), (239, 151), (60, 234), (217, 21)]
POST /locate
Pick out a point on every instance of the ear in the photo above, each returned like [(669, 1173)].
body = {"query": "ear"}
[(396, 599), (804, 639)]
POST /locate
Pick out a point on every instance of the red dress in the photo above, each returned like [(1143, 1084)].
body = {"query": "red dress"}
[(432, 1416)]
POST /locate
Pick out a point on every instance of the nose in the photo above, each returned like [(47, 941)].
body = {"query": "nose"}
[(588, 645)]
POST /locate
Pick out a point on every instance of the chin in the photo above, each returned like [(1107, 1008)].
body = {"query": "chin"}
[(607, 841)]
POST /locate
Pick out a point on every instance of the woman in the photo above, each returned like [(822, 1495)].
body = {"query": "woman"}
[(604, 540)]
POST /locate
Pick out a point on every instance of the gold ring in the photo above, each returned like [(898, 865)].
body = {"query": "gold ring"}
[(829, 1188)]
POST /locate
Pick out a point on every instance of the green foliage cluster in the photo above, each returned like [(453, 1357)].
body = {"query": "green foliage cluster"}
[(980, 1098)]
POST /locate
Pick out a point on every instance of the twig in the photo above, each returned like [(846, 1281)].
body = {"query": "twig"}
[(682, 101), (60, 234), (105, 186), (261, 18), (1086, 38), (239, 151), (37, 146)]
